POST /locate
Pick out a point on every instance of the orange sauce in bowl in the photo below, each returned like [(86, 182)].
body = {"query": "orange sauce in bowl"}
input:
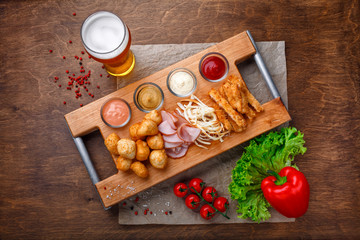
[(115, 113)]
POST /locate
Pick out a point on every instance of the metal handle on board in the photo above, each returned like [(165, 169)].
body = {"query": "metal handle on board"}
[(87, 162), (263, 69)]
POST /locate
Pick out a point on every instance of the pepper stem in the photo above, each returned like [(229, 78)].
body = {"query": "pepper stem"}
[(279, 180)]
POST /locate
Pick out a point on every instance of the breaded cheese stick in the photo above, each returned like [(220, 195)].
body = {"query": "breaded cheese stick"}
[(235, 127), (223, 117), (233, 95), (224, 104), (251, 99)]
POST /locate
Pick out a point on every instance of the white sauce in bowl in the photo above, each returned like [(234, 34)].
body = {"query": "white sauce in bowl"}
[(181, 83)]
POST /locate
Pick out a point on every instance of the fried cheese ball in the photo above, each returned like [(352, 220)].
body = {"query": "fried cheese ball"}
[(154, 116), (158, 158), (123, 164), (155, 142), (139, 169), (126, 148), (142, 150), (111, 143), (147, 128), (133, 132)]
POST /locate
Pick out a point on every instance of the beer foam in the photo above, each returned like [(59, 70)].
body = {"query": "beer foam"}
[(104, 35)]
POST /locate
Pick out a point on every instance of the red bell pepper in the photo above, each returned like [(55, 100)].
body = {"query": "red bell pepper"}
[(288, 192)]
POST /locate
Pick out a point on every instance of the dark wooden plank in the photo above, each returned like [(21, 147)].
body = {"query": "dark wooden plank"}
[(45, 190)]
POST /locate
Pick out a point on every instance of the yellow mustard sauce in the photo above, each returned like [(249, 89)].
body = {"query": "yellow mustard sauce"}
[(149, 98)]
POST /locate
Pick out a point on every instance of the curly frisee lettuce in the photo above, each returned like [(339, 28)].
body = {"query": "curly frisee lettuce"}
[(273, 151)]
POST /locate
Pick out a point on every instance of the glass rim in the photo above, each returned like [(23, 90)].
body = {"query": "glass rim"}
[(115, 126), (222, 58), (87, 19), (137, 90), (183, 70)]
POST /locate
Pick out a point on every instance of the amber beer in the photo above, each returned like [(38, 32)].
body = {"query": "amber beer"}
[(107, 39)]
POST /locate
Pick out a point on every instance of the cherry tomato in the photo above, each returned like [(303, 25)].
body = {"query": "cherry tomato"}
[(180, 190), (197, 184), (192, 201), (207, 212), (209, 194), (221, 204)]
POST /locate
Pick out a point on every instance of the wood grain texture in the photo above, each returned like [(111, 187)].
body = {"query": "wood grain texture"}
[(45, 190), (274, 115), (87, 119)]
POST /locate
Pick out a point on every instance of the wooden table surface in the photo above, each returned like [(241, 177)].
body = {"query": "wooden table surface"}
[(46, 192)]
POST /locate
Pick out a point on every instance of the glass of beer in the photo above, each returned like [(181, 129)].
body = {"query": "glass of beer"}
[(107, 39)]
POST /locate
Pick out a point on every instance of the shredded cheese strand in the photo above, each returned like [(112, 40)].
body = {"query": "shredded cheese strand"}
[(203, 117)]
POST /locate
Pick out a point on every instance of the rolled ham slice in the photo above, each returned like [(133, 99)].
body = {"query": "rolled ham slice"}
[(181, 119), (188, 133), (172, 145), (174, 138), (174, 118), (178, 152), (166, 129), (166, 116)]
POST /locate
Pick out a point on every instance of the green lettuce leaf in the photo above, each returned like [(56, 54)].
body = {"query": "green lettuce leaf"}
[(272, 151)]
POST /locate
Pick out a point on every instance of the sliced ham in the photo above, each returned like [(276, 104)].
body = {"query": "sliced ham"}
[(174, 118), (166, 129), (181, 119), (177, 149), (177, 152), (188, 133), (172, 145), (166, 116), (174, 138), (177, 133), (187, 144)]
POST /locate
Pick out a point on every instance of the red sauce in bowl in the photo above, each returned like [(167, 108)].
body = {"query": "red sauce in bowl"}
[(213, 67)]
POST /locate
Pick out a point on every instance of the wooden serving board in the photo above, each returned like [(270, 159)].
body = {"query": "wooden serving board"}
[(125, 184)]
